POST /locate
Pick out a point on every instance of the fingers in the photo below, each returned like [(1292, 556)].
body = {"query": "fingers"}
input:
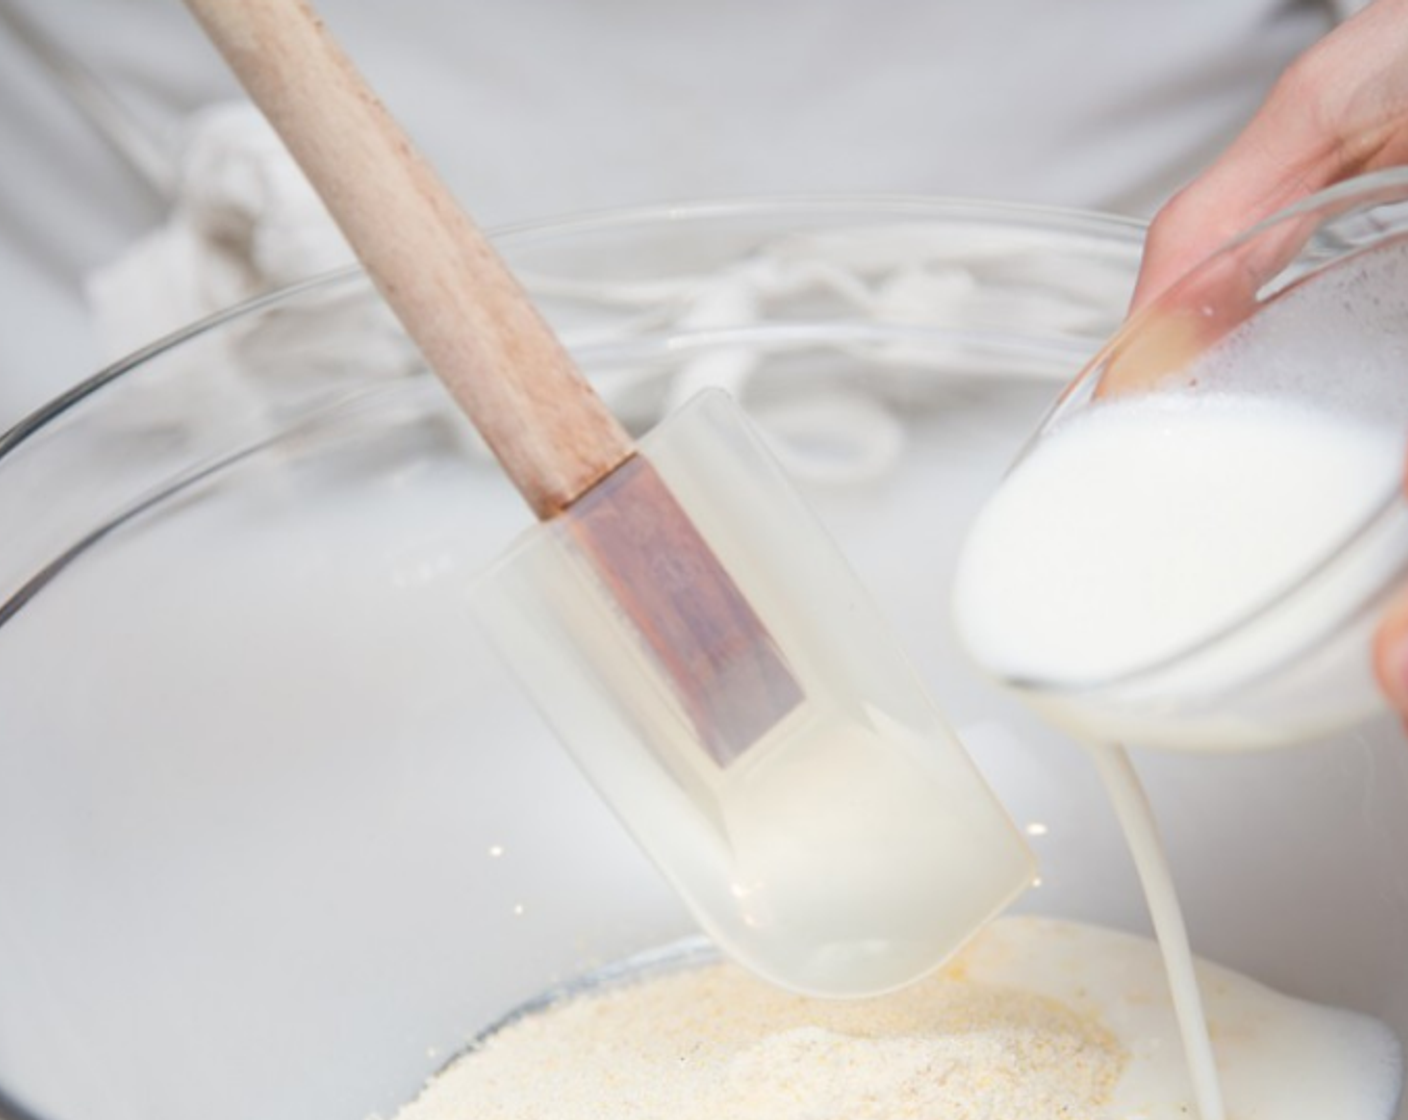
[(1391, 653), (1340, 109), (1199, 221), (1160, 346)]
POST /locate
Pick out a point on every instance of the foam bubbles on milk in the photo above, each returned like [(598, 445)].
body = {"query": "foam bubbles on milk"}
[(1338, 341)]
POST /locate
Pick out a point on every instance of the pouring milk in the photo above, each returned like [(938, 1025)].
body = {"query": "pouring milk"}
[(1200, 567)]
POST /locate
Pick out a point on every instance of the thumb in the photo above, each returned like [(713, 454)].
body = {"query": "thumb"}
[(1391, 652)]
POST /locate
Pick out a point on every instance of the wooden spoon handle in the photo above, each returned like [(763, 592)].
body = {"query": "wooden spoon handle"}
[(456, 298)]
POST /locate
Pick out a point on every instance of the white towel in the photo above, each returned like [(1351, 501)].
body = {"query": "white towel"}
[(244, 222)]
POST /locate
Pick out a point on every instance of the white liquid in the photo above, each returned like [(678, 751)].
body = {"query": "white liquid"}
[(1141, 833), (1130, 535), (1145, 526), (1281, 1058)]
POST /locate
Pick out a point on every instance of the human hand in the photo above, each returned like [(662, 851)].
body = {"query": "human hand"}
[(1340, 110)]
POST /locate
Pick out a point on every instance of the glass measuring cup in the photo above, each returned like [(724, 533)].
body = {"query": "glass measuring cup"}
[(1212, 572)]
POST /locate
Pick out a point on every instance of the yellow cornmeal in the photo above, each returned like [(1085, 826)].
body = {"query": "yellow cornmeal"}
[(713, 1043)]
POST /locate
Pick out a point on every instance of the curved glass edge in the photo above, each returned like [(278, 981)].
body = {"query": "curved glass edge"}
[(694, 951), (1070, 221), (686, 952)]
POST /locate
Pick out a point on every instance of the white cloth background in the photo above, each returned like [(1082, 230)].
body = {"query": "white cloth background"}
[(547, 106)]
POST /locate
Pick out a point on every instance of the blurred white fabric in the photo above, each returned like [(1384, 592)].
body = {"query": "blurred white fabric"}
[(537, 109), (243, 220)]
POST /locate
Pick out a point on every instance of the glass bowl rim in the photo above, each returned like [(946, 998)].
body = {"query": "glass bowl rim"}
[(1118, 229)]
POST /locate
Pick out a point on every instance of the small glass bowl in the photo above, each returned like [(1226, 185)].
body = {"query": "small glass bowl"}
[(1309, 308)]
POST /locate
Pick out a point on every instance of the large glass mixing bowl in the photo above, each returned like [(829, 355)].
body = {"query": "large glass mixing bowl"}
[(277, 831)]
